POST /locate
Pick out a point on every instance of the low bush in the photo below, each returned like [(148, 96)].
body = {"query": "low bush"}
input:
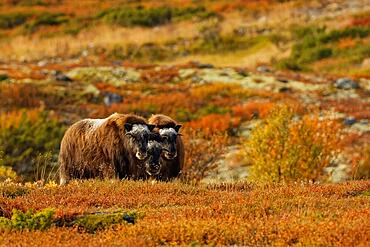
[(285, 148), (9, 189), (11, 20), (316, 43), (46, 19), (100, 221), (253, 109), (19, 95), (5, 172), (202, 150), (361, 169), (28, 141), (46, 218), (150, 17), (215, 124), (29, 220)]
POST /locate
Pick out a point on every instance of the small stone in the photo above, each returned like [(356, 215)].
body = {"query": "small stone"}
[(242, 72), (42, 63), (285, 90), (263, 69), (59, 76), (346, 83), (203, 65), (349, 121), (282, 79), (111, 98)]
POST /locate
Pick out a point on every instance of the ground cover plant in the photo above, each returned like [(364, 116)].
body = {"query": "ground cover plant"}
[(225, 214)]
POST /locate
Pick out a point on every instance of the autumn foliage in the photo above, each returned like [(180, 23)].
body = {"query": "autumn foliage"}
[(285, 147), (181, 214)]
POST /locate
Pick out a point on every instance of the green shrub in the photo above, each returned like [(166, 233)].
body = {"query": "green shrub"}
[(316, 43), (13, 190), (150, 17), (11, 20), (46, 19), (5, 171), (33, 3), (33, 221), (95, 222), (22, 144), (137, 16), (3, 77), (283, 148), (211, 109), (44, 219)]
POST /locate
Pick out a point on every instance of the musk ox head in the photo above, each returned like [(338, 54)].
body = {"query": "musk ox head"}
[(139, 135), (153, 164), (169, 140)]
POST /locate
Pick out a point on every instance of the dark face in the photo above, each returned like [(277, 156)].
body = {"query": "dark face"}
[(153, 164), (139, 136), (169, 138)]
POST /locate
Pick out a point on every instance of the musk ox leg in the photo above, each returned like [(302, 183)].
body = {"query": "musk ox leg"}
[(63, 181), (107, 171), (64, 178)]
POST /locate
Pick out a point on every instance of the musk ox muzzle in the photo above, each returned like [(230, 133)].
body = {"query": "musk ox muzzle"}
[(170, 155), (152, 169), (141, 155)]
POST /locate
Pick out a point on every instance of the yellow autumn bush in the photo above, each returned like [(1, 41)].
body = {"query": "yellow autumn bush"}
[(285, 147)]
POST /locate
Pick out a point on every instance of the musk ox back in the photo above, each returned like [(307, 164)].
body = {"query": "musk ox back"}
[(104, 148), (173, 154)]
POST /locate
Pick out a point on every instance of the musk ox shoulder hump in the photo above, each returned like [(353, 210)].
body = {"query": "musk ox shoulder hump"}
[(121, 119), (162, 121)]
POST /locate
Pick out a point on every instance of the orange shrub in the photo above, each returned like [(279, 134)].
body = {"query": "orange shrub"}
[(346, 43), (251, 109), (14, 118), (202, 149), (214, 123), (19, 95)]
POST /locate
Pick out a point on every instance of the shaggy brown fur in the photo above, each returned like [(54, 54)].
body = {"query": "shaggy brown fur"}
[(99, 148), (171, 168)]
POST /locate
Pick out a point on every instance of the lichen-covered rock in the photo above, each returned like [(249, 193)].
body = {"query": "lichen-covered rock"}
[(112, 98), (346, 83), (111, 75)]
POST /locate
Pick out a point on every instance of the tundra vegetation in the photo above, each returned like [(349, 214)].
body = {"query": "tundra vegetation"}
[(274, 121)]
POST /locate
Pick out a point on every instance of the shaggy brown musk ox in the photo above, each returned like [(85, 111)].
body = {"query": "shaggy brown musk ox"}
[(105, 148), (173, 155)]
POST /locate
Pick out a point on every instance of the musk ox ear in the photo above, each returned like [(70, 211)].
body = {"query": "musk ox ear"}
[(177, 127), (151, 126), (128, 127)]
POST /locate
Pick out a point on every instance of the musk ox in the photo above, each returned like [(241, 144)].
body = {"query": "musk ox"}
[(173, 154), (154, 164), (105, 148)]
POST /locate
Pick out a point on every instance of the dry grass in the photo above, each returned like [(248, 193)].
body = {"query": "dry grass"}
[(180, 214), (35, 47)]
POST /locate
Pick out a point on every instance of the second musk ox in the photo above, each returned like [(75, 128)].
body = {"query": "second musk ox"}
[(116, 146), (172, 147)]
